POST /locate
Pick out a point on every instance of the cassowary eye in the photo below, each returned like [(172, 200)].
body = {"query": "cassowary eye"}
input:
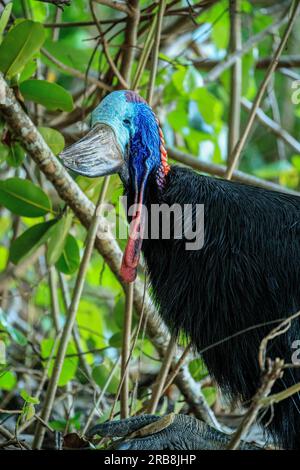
[(126, 122)]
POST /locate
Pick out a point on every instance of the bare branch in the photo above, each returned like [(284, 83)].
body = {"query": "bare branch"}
[(130, 39), (273, 126), (75, 72), (242, 141), (162, 376), (215, 73), (273, 372), (126, 351), (162, 6), (235, 45), (220, 170), (120, 6), (70, 322)]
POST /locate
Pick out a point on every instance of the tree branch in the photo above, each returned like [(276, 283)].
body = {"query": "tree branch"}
[(215, 73), (235, 45), (242, 141), (130, 39), (75, 72), (220, 170), (273, 126)]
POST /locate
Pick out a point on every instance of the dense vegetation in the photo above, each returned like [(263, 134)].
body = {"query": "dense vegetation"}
[(60, 62)]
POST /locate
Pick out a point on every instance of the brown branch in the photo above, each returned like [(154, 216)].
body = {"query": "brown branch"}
[(215, 73), (115, 5), (235, 45), (273, 372), (126, 351), (75, 72), (106, 50), (289, 62), (162, 376), (234, 158), (130, 39), (162, 6), (273, 126), (79, 24), (220, 170), (69, 324)]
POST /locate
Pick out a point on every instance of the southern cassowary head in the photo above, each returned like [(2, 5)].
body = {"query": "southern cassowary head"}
[(125, 138)]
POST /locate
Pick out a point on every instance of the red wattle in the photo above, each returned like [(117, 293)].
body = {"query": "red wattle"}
[(132, 251)]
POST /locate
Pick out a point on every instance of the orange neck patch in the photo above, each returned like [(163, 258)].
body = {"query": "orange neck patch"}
[(163, 152)]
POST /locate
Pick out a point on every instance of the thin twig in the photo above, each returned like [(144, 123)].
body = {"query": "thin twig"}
[(220, 170), (277, 331), (115, 5), (234, 158), (144, 55), (273, 372), (85, 367), (101, 396), (234, 111), (130, 39), (8, 435), (106, 50), (162, 376), (155, 52), (126, 350), (215, 73), (176, 368), (273, 126), (54, 297), (74, 72), (63, 344)]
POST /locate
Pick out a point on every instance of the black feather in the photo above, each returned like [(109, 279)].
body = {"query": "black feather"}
[(247, 274)]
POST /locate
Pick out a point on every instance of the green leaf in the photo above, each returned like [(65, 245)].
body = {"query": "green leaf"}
[(210, 107), (70, 364), (58, 239), (296, 161), (54, 139), (4, 152), (24, 198), (3, 257), (187, 79), (116, 340), (15, 156), (30, 240), (15, 334), (274, 170), (210, 394), (19, 46), (28, 398), (28, 412), (101, 373), (5, 17), (28, 71), (7, 380), (50, 95), (91, 324), (69, 260), (198, 369)]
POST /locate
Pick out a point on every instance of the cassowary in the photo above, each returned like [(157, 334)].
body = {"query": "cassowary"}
[(229, 293)]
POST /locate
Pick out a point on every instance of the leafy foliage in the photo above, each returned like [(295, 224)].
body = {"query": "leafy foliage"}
[(53, 71)]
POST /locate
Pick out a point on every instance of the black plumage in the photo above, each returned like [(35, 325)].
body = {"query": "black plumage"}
[(226, 296), (246, 274)]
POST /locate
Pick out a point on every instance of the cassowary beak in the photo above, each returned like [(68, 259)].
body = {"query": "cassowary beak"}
[(95, 154)]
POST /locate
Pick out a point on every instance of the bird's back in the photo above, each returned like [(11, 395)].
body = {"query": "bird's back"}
[(229, 294)]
